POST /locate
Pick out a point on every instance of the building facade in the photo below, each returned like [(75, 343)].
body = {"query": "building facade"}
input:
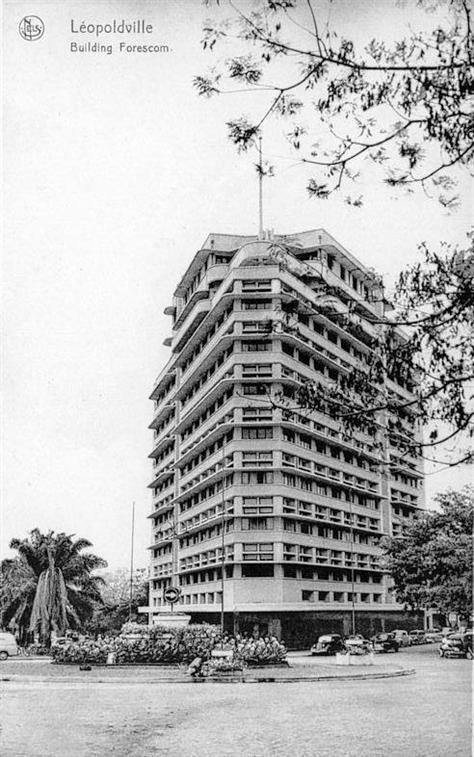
[(277, 498)]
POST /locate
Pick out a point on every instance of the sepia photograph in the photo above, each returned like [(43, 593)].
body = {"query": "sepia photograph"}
[(237, 288)]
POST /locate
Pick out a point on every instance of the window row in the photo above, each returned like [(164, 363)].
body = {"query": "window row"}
[(207, 452), (206, 414), (205, 340), (227, 462), (336, 453), (206, 515), (210, 557), (204, 378), (308, 595), (206, 493), (206, 534)]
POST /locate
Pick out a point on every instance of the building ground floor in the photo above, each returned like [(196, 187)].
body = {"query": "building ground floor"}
[(299, 630)]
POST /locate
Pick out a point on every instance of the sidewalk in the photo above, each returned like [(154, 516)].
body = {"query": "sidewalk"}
[(301, 668)]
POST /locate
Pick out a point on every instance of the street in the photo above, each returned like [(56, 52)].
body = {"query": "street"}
[(425, 715)]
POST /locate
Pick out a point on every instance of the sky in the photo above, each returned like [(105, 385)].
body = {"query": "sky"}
[(114, 173)]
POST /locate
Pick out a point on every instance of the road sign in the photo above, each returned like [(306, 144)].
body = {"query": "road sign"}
[(171, 594)]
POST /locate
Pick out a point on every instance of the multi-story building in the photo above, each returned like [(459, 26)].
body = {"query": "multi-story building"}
[(278, 498)]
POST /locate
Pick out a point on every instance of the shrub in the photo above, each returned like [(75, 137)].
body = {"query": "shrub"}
[(158, 644)]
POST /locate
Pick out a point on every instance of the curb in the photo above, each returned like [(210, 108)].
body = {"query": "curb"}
[(235, 679)]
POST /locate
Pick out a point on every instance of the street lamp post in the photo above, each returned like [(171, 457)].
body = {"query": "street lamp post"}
[(353, 618), (223, 537)]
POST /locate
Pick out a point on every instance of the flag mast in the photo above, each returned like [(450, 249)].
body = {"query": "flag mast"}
[(260, 190)]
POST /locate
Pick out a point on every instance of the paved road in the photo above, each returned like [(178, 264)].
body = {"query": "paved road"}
[(426, 715)]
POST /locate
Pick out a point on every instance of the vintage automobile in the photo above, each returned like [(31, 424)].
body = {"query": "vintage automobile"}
[(417, 636), (385, 642), (402, 637), (8, 646), (357, 644), (328, 644), (433, 636), (457, 645)]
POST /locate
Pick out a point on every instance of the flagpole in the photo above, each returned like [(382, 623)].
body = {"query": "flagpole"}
[(131, 563), (260, 190)]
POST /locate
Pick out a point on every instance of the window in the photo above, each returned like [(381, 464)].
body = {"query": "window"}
[(250, 327), (254, 389), (256, 414), (257, 524), (323, 596), (265, 502), (257, 459), (257, 571), (257, 477), (251, 371), (263, 346), (289, 571), (256, 304), (307, 596), (257, 552), (257, 433), (263, 285), (305, 554)]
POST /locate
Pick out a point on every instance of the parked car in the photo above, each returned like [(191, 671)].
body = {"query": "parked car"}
[(417, 636), (8, 646), (434, 636), (328, 644), (402, 637), (356, 644), (385, 642), (468, 643), (457, 645)]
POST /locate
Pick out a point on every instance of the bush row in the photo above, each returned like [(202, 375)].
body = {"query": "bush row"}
[(163, 645)]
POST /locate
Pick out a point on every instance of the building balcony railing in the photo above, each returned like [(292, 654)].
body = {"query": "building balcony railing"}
[(207, 436)]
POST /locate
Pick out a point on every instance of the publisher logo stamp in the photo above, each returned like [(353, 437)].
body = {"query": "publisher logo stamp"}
[(31, 28)]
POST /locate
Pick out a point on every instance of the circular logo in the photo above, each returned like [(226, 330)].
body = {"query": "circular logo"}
[(171, 594), (31, 28)]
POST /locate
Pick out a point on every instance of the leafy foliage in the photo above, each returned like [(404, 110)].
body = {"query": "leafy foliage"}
[(49, 585), (116, 608), (431, 564), (159, 644), (402, 107)]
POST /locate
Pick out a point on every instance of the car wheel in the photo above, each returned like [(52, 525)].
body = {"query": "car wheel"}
[(469, 654), (3, 655), (441, 652)]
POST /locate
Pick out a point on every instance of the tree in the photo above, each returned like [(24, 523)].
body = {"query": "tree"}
[(403, 108), (431, 564), (49, 586), (116, 608)]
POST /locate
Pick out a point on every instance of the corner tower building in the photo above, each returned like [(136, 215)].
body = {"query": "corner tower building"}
[(277, 498)]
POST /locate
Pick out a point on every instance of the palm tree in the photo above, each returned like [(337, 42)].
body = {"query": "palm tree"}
[(49, 585)]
